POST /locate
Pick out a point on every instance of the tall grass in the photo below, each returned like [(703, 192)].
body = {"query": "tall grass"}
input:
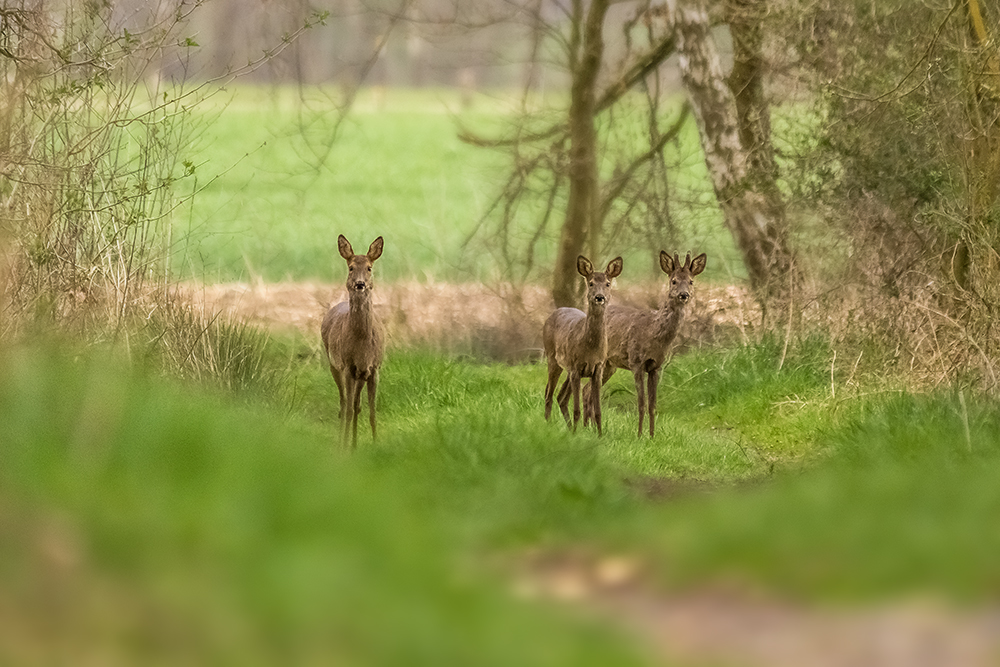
[(150, 520), (90, 149), (144, 523)]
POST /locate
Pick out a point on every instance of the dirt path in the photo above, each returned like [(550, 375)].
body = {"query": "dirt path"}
[(738, 628)]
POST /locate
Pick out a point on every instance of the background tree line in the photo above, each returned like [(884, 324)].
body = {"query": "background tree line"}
[(852, 148)]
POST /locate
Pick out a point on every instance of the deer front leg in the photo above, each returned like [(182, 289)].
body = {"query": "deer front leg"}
[(606, 374), (654, 382), (346, 403), (640, 396), (372, 389), (356, 403), (575, 387), (595, 396)]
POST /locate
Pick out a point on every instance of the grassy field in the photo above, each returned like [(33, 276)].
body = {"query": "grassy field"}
[(273, 199), (151, 519), (152, 510)]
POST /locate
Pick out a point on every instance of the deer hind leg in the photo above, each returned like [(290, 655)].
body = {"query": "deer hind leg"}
[(563, 399), (654, 382), (372, 389), (340, 390), (640, 394), (550, 387), (575, 387)]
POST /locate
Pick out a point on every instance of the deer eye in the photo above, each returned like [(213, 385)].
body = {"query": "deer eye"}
[(369, 269), (673, 282), (607, 284)]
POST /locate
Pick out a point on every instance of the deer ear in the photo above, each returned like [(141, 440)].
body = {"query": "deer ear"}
[(666, 263), (698, 264), (614, 268), (375, 249), (584, 267), (346, 251)]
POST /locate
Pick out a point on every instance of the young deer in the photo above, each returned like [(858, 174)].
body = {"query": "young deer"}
[(354, 339), (577, 341), (638, 339)]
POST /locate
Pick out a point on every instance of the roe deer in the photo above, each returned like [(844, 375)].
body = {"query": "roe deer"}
[(638, 339), (354, 339), (577, 341)]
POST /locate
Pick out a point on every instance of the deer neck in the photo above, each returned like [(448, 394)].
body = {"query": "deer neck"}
[(361, 315), (594, 334), (667, 320)]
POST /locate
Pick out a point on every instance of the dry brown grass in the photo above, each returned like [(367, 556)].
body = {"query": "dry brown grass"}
[(498, 322)]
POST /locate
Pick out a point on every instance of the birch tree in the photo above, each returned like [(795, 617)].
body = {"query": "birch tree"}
[(733, 122)]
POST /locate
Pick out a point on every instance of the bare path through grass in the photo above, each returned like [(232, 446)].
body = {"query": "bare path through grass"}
[(732, 626)]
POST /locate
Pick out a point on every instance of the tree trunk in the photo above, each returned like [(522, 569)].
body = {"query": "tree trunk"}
[(982, 163), (735, 136), (582, 223)]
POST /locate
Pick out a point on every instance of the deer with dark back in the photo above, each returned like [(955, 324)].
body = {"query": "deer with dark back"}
[(577, 342), (638, 339), (354, 339)]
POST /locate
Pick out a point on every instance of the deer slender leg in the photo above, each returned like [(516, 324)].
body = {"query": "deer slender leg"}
[(358, 386), (608, 371), (372, 388), (340, 390), (575, 386), (654, 382), (640, 395), (595, 396), (550, 387), (563, 398), (346, 406)]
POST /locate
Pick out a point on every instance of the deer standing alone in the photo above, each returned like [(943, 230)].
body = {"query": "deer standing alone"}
[(638, 339), (354, 339), (577, 341)]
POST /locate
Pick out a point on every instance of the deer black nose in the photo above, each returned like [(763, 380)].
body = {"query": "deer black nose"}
[(683, 296), (600, 298), (359, 285)]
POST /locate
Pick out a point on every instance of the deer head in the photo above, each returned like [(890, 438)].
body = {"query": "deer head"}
[(598, 284), (359, 267), (681, 275)]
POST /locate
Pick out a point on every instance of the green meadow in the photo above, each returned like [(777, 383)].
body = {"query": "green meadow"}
[(277, 180), (155, 514)]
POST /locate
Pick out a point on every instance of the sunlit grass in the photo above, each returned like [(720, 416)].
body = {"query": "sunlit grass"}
[(276, 186)]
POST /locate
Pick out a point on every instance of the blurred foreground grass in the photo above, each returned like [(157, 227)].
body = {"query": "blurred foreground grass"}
[(149, 520), (149, 523)]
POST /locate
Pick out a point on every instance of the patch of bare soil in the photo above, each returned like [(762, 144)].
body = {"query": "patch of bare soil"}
[(497, 322), (739, 628)]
